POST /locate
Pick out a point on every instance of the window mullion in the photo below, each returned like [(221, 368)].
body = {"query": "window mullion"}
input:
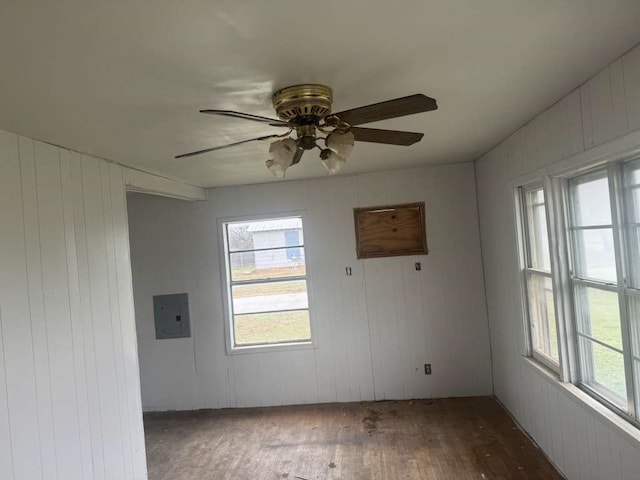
[(536, 271), (255, 281), (617, 214), (561, 276), (522, 221)]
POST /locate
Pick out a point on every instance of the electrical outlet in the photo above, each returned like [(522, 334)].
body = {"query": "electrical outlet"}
[(427, 369)]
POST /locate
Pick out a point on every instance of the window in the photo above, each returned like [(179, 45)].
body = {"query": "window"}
[(597, 288), (597, 282), (266, 279), (631, 182), (538, 281)]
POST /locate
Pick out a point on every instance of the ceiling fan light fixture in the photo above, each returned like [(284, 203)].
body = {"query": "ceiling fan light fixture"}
[(283, 151), (341, 143), (332, 161), (277, 169), (306, 110)]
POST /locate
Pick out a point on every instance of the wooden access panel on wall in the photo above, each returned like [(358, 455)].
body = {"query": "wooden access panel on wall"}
[(390, 230)]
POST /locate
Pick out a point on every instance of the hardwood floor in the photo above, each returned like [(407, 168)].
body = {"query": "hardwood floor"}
[(457, 439)]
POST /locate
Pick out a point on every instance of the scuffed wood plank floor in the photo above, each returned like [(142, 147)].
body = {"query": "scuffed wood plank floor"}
[(457, 439)]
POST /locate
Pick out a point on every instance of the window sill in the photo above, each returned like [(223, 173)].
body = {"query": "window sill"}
[(580, 397), (278, 347)]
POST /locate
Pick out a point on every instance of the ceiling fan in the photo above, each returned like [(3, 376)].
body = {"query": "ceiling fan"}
[(306, 109)]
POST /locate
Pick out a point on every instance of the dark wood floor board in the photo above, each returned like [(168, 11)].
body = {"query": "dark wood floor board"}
[(457, 439)]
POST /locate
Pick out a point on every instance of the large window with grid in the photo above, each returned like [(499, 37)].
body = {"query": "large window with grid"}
[(598, 283), (266, 280), (538, 281), (604, 219)]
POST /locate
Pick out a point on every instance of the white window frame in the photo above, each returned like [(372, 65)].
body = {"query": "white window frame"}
[(556, 182), (555, 176), (225, 270), (527, 270), (612, 171)]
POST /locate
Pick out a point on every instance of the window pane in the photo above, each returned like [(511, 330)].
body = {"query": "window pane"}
[(267, 306), (268, 297), (633, 214), (634, 320), (239, 237), (595, 254), (599, 315), (281, 232), (275, 327), (603, 369), (543, 317), (590, 200), (633, 239), (632, 173), (266, 264), (536, 196), (537, 226), (636, 373)]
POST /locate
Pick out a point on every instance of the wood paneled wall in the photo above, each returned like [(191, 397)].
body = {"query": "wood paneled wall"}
[(375, 329), (69, 387), (583, 444)]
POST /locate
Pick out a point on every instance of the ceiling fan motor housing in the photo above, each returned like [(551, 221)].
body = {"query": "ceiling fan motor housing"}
[(300, 101)]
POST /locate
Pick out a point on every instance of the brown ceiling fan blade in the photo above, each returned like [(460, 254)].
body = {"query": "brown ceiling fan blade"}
[(206, 150), (391, 137), (390, 109), (247, 116)]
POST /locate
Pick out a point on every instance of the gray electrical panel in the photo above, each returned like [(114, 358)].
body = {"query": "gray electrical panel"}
[(171, 314)]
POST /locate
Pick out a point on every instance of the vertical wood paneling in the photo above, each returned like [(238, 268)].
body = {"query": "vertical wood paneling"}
[(79, 363), (598, 96), (542, 144), (17, 346), (628, 460), (618, 97), (6, 463), (63, 408), (115, 321), (569, 433), (128, 340), (587, 116), (103, 340), (572, 134), (603, 451), (631, 68), (416, 338), (374, 329), (614, 450), (556, 427), (556, 132), (28, 154), (86, 323), (386, 317), (579, 441), (57, 315)]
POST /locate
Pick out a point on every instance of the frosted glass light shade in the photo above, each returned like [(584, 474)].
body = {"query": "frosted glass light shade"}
[(341, 143), (333, 162), (283, 151), (277, 169)]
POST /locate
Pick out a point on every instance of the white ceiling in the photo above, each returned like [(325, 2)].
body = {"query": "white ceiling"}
[(124, 80)]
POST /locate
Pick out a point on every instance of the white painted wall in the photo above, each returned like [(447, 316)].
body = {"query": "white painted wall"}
[(582, 442), (375, 329), (69, 388)]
